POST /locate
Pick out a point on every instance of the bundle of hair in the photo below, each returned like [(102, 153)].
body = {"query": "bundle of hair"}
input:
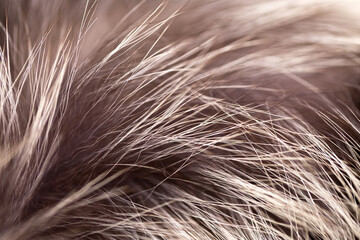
[(233, 119)]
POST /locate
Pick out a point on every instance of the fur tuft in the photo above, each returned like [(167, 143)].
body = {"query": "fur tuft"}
[(179, 119)]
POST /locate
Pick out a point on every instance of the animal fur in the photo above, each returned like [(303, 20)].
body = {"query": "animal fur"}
[(179, 119)]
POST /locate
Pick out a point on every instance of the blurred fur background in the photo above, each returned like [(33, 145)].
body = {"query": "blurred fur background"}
[(232, 119)]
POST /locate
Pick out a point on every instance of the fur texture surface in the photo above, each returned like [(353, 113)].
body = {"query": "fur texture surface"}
[(179, 119)]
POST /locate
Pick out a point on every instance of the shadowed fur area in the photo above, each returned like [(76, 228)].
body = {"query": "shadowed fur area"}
[(208, 120)]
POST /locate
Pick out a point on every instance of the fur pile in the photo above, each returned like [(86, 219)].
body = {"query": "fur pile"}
[(232, 119)]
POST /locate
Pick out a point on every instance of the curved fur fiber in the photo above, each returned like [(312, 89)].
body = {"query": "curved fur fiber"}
[(179, 119)]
